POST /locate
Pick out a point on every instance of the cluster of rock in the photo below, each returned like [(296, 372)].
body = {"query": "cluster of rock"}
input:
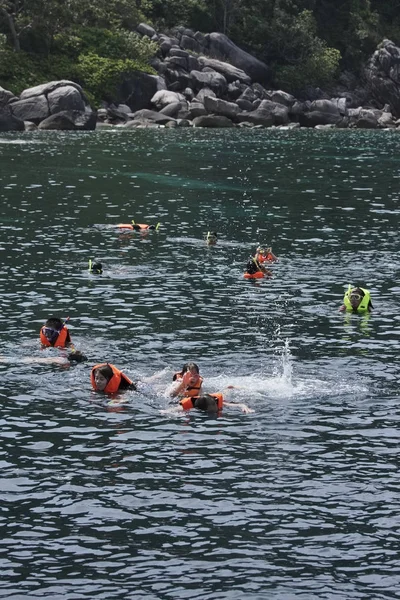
[(207, 81)]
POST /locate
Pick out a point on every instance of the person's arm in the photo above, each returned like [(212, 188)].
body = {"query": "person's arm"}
[(244, 408), (342, 308)]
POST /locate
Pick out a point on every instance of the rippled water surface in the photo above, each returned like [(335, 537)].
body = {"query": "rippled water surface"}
[(299, 499)]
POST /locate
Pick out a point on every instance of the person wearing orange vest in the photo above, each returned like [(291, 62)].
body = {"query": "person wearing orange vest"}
[(264, 254), (107, 378), (189, 381), (255, 270), (138, 226), (211, 403), (55, 334)]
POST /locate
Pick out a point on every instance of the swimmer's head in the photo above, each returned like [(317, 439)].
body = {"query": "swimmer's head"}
[(211, 237), (101, 377), (95, 267), (206, 403)]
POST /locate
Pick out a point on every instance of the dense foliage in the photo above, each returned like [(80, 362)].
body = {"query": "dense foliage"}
[(92, 41)]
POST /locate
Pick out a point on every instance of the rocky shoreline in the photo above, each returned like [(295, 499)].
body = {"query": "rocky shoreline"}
[(207, 81)]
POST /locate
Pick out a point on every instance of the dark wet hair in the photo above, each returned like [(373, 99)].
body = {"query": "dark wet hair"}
[(96, 268), (106, 371), (357, 290), (191, 366), (54, 323), (206, 403)]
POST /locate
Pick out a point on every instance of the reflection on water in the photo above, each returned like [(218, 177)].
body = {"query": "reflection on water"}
[(123, 501)]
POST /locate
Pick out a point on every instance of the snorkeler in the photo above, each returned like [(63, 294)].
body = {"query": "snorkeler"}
[(132, 226), (55, 334), (107, 378), (95, 267), (211, 238), (356, 300)]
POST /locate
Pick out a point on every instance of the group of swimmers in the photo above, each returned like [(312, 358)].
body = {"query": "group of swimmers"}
[(187, 383), (107, 378)]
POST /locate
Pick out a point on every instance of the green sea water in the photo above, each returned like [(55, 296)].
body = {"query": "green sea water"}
[(299, 498)]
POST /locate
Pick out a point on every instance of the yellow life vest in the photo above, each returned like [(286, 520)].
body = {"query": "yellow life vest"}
[(363, 306)]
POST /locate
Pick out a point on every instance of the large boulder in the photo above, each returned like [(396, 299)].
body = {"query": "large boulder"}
[(73, 120), (151, 115), (383, 75), (164, 97), (217, 106), (137, 89), (6, 97), (211, 79), (221, 47), (8, 122), (230, 72), (257, 117), (41, 101), (212, 121)]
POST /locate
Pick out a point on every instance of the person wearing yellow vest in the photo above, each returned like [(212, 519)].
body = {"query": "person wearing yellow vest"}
[(356, 300), (188, 381), (107, 378), (55, 334)]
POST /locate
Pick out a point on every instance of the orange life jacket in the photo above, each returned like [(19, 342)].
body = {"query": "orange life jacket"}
[(125, 226), (61, 341), (115, 381), (257, 275), (135, 226), (265, 257), (188, 402)]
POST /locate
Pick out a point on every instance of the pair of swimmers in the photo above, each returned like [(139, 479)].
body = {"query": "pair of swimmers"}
[(106, 377), (255, 267)]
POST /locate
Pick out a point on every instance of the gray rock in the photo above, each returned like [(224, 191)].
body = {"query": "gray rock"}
[(203, 93), (212, 121), (137, 89), (282, 98), (151, 115), (145, 29), (221, 107), (279, 112), (220, 46), (383, 75), (244, 105), (230, 72), (46, 88), (64, 98), (196, 109), (8, 122), (176, 51), (367, 119), (70, 120), (164, 97), (190, 43), (257, 117), (34, 108), (212, 80), (172, 109), (6, 97), (177, 62), (317, 117)]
